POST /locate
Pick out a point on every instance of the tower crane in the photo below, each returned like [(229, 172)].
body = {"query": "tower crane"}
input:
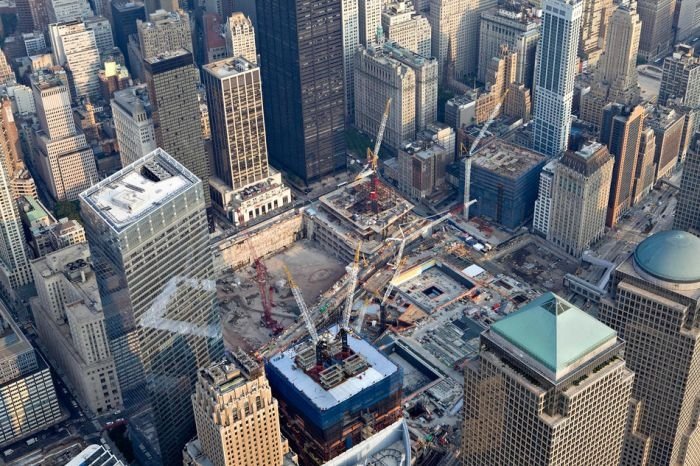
[(296, 292), (265, 292), (352, 284), (373, 154), (468, 159)]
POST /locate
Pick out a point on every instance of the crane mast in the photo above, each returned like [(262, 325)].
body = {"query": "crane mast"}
[(373, 155), (352, 284), (296, 292)]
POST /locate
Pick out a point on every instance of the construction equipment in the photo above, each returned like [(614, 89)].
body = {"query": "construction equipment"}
[(352, 284), (468, 158), (361, 315), (265, 290), (296, 292), (373, 155)]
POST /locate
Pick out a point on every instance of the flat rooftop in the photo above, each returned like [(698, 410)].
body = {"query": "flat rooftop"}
[(12, 340), (379, 367), (166, 56), (138, 189), (229, 67), (133, 98), (509, 160)]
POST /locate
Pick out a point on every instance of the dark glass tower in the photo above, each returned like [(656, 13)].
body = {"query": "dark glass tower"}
[(124, 16), (301, 51)]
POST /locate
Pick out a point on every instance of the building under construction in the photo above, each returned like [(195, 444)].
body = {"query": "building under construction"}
[(365, 210), (334, 394)]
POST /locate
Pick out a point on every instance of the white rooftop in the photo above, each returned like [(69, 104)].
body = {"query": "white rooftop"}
[(129, 194), (379, 368)]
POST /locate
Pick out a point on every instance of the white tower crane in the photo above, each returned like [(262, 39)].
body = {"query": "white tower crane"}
[(373, 155), (302, 307), (352, 284)]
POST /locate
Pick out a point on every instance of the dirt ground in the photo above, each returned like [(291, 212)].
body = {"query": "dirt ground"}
[(313, 270)]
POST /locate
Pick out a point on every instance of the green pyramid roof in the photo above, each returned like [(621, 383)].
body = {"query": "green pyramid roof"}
[(554, 332)]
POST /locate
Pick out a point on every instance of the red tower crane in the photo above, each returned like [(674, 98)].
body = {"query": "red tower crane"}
[(265, 290)]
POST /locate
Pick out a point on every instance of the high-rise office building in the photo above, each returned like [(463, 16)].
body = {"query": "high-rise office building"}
[(163, 32), (555, 71), (148, 234), (668, 125), (549, 387), (104, 38), (74, 47), (516, 26), (237, 418), (645, 172), (615, 79), (29, 396), (32, 15), (657, 28), (70, 322), (401, 24), (351, 39), (303, 83), (580, 191), (681, 77), (410, 80), (133, 123), (172, 87), (594, 23), (14, 266), (335, 407), (455, 40), (370, 20), (543, 204), (62, 11), (235, 103), (64, 160), (688, 208), (125, 14), (240, 37), (621, 131), (653, 305)]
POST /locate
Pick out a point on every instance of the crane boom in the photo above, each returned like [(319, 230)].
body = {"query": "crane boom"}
[(352, 284), (296, 292), (373, 155), (492, 117)]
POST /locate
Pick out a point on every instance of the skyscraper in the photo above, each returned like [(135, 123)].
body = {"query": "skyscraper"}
[(618, 65), (555, 70), (410, 80), (133, 123), (301, 53), (370, 20), (580, 191), (172, 87), (654, 305), (688, 208), (550, 387), (621, 131), (64, 160), (516, 26), (104, 38), (69, 320), (543, 204), (237, 418), (75, 47), (147, 229), (681, 77), (351, 39), (32, 15), (14, 266), (125, 13), (164, 31), (657, 28), (455, 35), (407, 28), (69, 10), (594, 22), (235, 102), (240, 37)]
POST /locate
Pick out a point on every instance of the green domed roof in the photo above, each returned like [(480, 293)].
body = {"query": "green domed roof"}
[(672, 256)]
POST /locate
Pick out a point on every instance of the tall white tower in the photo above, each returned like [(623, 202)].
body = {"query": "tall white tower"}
[(555, 70)]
